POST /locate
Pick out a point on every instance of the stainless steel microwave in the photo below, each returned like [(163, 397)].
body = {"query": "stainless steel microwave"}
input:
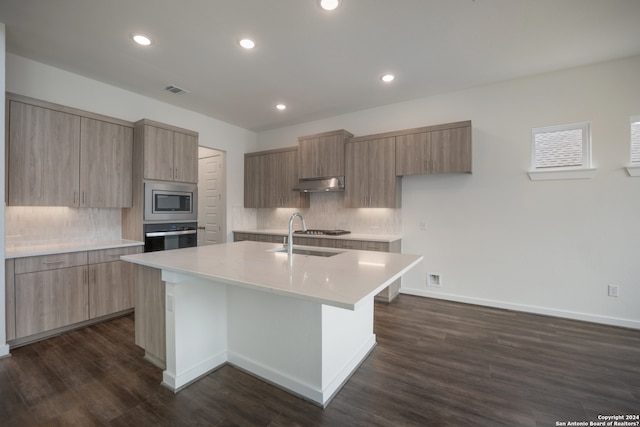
[(169, 201)]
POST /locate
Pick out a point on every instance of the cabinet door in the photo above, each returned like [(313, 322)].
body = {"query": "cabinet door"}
[(269, 179), (254, 184), (185, 161), (322, 156), (370, 178), (10, 299), (158, 153), (50, 299), (106, 155), (110, 288), (287, 170), (356, 189), (438, 151), (44, 156), (383, 185)]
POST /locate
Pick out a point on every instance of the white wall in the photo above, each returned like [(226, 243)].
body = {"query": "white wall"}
[(43, 82), (499, 239), (4, 349)]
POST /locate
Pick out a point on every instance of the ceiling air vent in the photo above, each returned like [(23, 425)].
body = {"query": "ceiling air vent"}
[(176, 90)]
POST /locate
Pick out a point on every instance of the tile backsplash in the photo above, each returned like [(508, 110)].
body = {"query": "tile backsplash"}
[(327, 211), (27, 225)]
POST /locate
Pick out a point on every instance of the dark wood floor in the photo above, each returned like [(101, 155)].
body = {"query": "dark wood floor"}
[(437, 363)]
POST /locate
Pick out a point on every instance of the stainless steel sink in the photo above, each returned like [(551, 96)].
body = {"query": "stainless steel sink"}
[(307, 252)]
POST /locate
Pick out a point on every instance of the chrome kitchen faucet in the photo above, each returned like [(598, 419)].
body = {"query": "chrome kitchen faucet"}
[(290, 238)]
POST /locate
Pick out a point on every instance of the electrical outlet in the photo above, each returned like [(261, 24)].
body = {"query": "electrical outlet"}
[(434, 280), (613, 290)]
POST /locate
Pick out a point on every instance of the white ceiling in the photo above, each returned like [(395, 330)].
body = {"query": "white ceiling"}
[(318, 63)]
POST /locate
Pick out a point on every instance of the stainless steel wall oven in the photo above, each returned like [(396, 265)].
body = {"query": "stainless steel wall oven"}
[(162, 237)]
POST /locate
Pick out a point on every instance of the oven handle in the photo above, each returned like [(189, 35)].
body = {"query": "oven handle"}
[(170, 233)]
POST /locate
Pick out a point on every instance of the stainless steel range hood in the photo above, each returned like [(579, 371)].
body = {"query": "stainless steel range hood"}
[(320, 184)]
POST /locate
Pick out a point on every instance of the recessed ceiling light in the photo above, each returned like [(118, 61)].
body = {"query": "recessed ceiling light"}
[(281, 107), (141, 39), (387, 78), (329, 5), (247, 43)]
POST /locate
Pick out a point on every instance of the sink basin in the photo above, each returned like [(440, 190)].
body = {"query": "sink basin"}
[(308, 252)]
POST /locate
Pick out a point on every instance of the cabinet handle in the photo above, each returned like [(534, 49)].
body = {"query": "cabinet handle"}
[(52, 262), (175, 173)]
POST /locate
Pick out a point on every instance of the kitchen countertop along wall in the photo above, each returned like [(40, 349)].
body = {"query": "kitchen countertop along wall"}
[(60, 247), (387, 238)]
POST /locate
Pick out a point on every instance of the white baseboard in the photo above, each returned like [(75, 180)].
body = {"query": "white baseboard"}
[(606, 320), (4, 351)]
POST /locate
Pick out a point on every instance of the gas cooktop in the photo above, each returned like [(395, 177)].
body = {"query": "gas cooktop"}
[(323, 232)]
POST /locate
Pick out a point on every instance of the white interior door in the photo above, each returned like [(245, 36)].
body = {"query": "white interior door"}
[(211, 197)]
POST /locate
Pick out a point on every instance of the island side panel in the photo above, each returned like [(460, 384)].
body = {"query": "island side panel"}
[(277, 338), (347, 339), (196, 328), (307, 348)]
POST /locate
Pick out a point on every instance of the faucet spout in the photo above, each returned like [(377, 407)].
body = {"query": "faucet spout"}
[(290, 238)]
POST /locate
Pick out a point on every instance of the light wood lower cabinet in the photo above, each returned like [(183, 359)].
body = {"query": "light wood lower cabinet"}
[(386, 295), (10, 299), (51, 299), (150, 316), (46, 293)]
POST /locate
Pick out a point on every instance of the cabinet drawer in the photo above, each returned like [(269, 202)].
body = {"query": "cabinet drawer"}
[(241, 237), (50, 262), (112, 254), (375, 246), (349, 244)]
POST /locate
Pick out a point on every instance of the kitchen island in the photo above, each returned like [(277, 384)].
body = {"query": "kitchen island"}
[(304, 322)]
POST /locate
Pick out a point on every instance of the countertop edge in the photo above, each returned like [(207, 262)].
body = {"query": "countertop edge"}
[(61, 248), (248, 285)]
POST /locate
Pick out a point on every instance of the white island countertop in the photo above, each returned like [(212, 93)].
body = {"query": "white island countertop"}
[(343, 280)]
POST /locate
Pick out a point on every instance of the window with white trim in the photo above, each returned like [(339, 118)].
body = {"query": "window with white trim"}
[(635, 140), (557, 150)]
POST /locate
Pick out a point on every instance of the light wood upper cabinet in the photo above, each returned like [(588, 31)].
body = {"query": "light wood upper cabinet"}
[(44, 156), (106, 157), (322, 155), (185, 160), (370, 178), (170, 153), (158, 153), (254, 184), (269, 179), (434, 149), (60, 156)]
